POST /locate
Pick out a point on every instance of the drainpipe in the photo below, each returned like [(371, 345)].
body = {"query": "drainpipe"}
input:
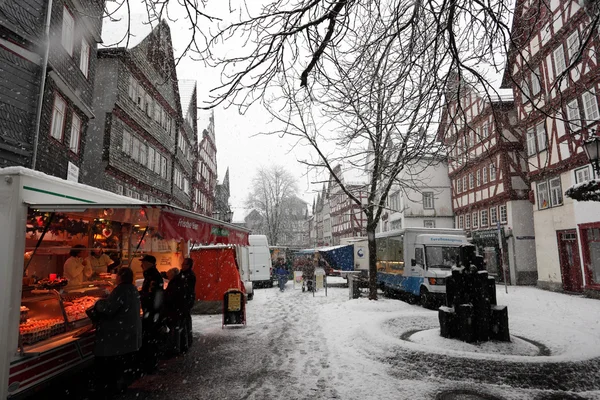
[(40, 105)]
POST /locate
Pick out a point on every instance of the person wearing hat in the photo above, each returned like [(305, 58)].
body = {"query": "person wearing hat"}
[(151, 297)]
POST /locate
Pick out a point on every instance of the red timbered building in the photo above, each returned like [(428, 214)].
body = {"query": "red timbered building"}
[(347, 217), (553, 69), (489, 182)]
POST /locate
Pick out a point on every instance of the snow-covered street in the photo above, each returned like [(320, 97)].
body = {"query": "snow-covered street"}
[(296, 346)]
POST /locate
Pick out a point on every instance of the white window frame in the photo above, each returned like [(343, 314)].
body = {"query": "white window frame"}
[(573, 43), (573, 115), (119, 189), (84, 58), (560, 64), (467, 221), (493, 215), (582, 174), (503, 214), (475, 220), (428, 201), (133, 88), (128, 192), (541, 136), (531, 149), (157, 162), (478, 181), (484, 174), (148, 105), (135, 148), (492, 172), (590, 107), (485, 130), (483, 219), (555, 190), (460, 222), (536, 85), (543, 195), (464, 183), (59, 113), (163, 167), (75, 138), (126, 144), (143, 154), (151, 158), (68, 31)]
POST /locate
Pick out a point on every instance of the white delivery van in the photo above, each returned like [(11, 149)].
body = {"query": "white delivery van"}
[(417, 261), (259, 257)]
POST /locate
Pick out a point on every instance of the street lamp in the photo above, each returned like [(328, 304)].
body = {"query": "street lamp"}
[(228, 216), (592, 150), (216, 214)]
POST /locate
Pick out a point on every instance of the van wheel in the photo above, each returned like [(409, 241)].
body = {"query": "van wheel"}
[(426, 300)]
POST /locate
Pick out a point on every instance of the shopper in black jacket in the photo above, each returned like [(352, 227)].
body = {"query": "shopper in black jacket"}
[(118, 334), (152, 297), (189, 284)]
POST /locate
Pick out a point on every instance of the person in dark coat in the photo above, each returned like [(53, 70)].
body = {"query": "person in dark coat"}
[(118, 334), (175, 311), (152, 297), (189, 283)]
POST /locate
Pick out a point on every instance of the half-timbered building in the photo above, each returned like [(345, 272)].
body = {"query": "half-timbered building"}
[(553, 69), (488, 172), (347, 218)]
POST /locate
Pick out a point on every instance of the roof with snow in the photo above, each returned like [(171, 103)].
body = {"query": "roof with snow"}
[(186, 91)]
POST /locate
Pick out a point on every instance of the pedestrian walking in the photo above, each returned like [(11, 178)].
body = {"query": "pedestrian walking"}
[(175, 312), (152, 298), (118, 335), (281, 273), (189, 284)]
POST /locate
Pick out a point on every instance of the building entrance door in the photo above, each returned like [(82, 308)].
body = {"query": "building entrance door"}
[(570, 265)]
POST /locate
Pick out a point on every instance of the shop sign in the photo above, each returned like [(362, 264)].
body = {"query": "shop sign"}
[(482, 235), (219, 231), (72, 172), (176, 227)]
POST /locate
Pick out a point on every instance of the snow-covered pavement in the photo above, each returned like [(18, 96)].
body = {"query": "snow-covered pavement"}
[(296, 346)]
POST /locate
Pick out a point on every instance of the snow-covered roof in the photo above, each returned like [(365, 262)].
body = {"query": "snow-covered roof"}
[(186, 90)]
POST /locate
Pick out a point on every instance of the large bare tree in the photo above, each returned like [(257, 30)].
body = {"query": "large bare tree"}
[(273, 194)]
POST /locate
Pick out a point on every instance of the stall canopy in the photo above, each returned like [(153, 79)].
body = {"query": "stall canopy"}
[(339, 257), (169, 221)]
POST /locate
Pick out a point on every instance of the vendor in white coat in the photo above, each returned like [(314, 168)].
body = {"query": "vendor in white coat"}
[(98, 261), (77, 268)]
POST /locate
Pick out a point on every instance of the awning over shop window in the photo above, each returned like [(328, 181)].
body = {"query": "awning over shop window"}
[(169, 221)]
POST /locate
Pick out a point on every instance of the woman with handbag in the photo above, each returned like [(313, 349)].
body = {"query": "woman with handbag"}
[(118, 334)]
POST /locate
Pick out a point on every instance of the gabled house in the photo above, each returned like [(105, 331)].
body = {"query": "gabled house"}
[(48, 64), (206, 170), (138, 145), (347, 217), (488, 172), (554, 72), (422, 200)]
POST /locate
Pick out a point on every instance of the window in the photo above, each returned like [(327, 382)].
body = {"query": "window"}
[(475, 220), (471, 181), (75, 134), (151, 158), (484, 130), (148, 105), (163, 167), (467, 221), (157, 112), (525, 95), (84, 58), (135, 148), (145, 198), (542, 138), (484, 218), (556, 197), (429, 223), (590, 106), (492, 172), (143, 153), (427, 200), (559, 60), (141, 97), (58, 118), (460, 221), (536, 85), (478, 177), (128, 192), (484, 173), (68, 26), (503, 215), (133, 88), (573, 45), (157, 162), (126, 146), (464, 183), (573, 115), (186, 185), (543, 198), (530, 142), (458, 185), (136, 195), (582, 174), (493, 216), (119, 190)]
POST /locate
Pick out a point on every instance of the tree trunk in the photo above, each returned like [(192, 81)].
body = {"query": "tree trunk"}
[(372, 262)]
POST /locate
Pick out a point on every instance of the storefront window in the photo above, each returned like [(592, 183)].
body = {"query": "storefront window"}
[(593, 242)]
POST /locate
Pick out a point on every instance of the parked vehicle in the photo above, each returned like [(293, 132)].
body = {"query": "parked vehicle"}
[(417, 261), (259, 258)]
